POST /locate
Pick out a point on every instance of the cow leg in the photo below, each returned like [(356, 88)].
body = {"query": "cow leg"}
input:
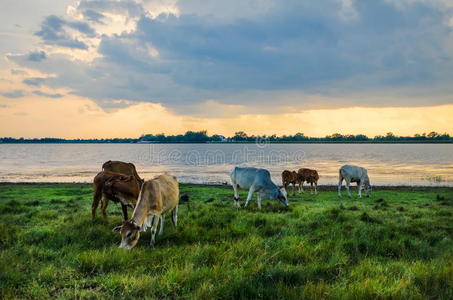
[(348, 183), (259, 201), (301, 187), (294, 189), (97, 196), (105, 204), (154, 224), (236, 195), (340, 183), (298, 187), (316, 188), (174, 216), (311, 184), (124, 208), (249, 196), (360, 187), (161, 230)]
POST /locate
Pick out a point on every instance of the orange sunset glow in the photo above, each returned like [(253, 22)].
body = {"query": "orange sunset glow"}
[(85, 70)]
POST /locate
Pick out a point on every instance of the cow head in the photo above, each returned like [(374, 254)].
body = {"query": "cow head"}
[(282, 197), (278, 194), (130, 233)]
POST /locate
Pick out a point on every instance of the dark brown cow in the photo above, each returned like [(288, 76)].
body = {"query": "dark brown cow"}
[(290, 177), (116, 187), (117, 166), (310, 176)]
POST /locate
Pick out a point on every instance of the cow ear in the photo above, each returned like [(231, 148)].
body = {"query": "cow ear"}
[(117, 228)]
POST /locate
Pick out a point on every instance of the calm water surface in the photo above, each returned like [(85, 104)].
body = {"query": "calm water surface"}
[(394, 164)]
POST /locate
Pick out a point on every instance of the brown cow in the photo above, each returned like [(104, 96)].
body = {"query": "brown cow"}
[(117, 166), (290, 177), (157, 197), (116, 187), (310, 176)]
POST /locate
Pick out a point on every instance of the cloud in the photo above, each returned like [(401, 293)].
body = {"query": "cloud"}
[(34, 81), (93, 15), (37, 56), (54, 32), (267, 55), (18, 72), (49, 95), (13, 94), (130, 8)]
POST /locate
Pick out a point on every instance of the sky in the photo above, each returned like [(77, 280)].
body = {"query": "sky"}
[(103, 68)]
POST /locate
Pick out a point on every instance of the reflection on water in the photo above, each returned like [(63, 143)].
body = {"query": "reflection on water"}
[(394, 164)]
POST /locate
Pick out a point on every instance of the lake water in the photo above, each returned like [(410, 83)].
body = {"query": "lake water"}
[(392, 164)]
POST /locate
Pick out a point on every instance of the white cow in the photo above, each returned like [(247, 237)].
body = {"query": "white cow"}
[(256, 180), (354, 174)]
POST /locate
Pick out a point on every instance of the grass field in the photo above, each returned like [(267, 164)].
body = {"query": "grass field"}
[(396, 244)]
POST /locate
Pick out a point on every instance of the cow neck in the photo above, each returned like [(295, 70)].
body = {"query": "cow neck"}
[(141, 208)]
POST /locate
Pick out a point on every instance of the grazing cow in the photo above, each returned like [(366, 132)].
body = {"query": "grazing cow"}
[(116, 187), (354, 174), (120, 167), (157, 197), (310, 176), (290, 177), (256, 180)]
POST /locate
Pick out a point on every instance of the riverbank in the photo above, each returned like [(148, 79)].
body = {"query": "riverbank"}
[(396, 244), (307, 188)]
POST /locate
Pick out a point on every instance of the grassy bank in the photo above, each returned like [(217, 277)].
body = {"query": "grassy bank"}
[(396, 244)]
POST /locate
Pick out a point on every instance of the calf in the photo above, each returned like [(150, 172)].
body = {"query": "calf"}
[(157, 197), (310, 176), (290, 177), (116, 187), (256, 180), (354, 174)]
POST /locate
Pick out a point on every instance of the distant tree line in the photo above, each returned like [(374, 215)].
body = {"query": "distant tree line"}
[(242, 137), (433, 136), (65, 141)]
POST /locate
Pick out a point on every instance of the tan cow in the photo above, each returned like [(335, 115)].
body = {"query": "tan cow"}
[(157, 197), (310, 176), (116, 187), (120, 167), (290, 177)]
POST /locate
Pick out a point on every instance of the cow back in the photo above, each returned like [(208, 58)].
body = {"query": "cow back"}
[(121, 167)]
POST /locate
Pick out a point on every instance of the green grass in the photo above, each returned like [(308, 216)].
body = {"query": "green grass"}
[(396, 244)]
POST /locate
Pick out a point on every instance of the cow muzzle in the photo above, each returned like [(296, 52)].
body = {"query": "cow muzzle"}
[(124, 246)]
